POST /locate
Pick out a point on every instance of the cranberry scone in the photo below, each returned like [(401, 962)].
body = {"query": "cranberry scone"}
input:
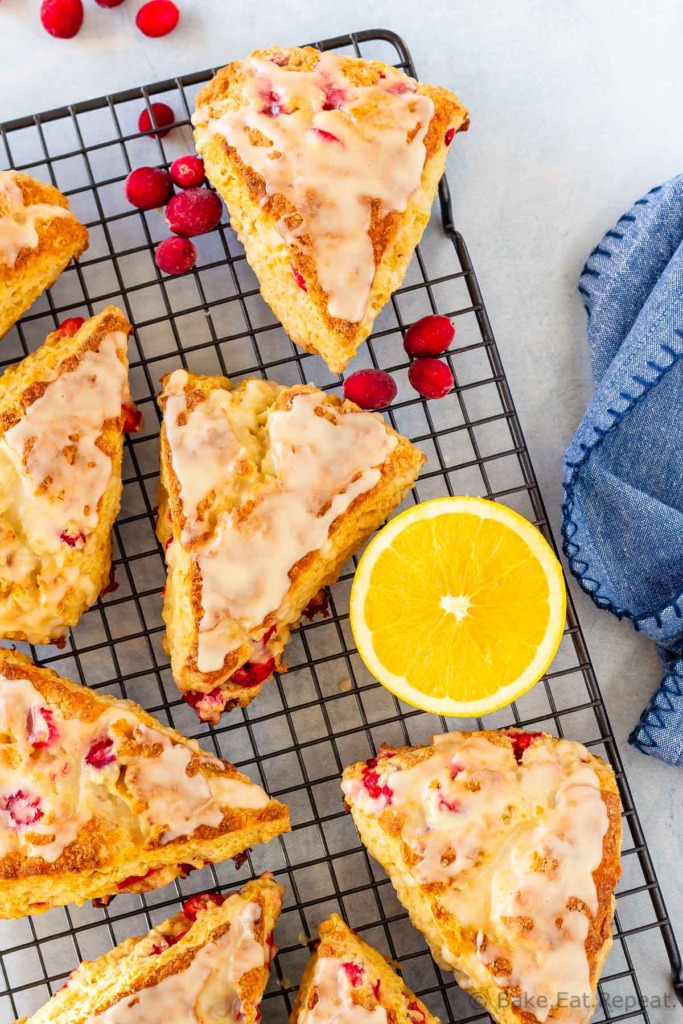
[(329, 166), (207, 965), (504, 849), (63, 411), (265, 493), (97, 797), (348, 981), (38, 237)]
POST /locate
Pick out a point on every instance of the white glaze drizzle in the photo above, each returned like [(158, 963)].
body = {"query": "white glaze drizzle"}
[(372, 148), (335, 1003), (204, 992), (154, 795), (486, 826), (19, 222), (314, 467), (205, 445), (61, 472)]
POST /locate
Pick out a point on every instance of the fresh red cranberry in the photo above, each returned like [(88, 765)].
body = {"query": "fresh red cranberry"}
[(334, 99), (299, 278), (132, 419), (74, 540), (164, 119), (157, 18), (376, 790), (21, 809), (430, 336), (157, 948), (68, 328), (272, 948), (109, 3), (148, 187), (194, 212), (101, 752), (208, 706), (325, 136), (521, 741), (62, 18), (188, 171), (175, 255), (253, 673), (41, 730), (354, 973), (416, 1014), (193, 907), (449, 136), (376, 987), (173, 939), (430, 377), (370, 389)]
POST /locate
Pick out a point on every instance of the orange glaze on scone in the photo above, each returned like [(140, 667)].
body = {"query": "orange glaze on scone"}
[(38, 237), (329, 166), (348, 982), (266, 491), (62, 415), (504, 847), (96, 796), (207, 965)]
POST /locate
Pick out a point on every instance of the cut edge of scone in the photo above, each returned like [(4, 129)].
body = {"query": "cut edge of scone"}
[(442, 931), (212, 692), (287, 275), (142, 963), (29, 616), (61, 238), (30, 885), (372, 982)]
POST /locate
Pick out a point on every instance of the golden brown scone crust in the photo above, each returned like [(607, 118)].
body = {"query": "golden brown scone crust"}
[(339, 942), (61, 239), (32, 610), (308, 576), (381, 834), (253, 215), (131, 966), (108, 857)]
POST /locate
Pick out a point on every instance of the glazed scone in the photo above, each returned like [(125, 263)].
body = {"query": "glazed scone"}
[(348, 982), (63, 410), (38, 237), (329, 166), (207, 965), (265, 492), (98, 797), (504, 849)]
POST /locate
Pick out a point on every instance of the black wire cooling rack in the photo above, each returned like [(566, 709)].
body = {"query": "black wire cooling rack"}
[(327, 711)]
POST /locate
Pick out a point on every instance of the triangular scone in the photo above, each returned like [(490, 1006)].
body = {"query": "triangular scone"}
[(98, 797), (347, 981), (266, 491), (329, 166), (209, 964), (38, 237), (504, 849), (63, 410)]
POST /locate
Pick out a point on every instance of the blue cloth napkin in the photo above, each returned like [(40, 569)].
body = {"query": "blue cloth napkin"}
[(623, 472)]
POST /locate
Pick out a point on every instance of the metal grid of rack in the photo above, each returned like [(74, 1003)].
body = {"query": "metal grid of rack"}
[(326, 711)]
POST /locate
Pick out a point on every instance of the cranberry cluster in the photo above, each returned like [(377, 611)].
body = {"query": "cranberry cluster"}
[(430, 376), (64, 18)]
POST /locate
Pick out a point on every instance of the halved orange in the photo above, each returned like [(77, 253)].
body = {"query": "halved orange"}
[(458, 606)]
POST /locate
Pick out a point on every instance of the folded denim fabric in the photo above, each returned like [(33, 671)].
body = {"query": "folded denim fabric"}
[(623, 471)]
